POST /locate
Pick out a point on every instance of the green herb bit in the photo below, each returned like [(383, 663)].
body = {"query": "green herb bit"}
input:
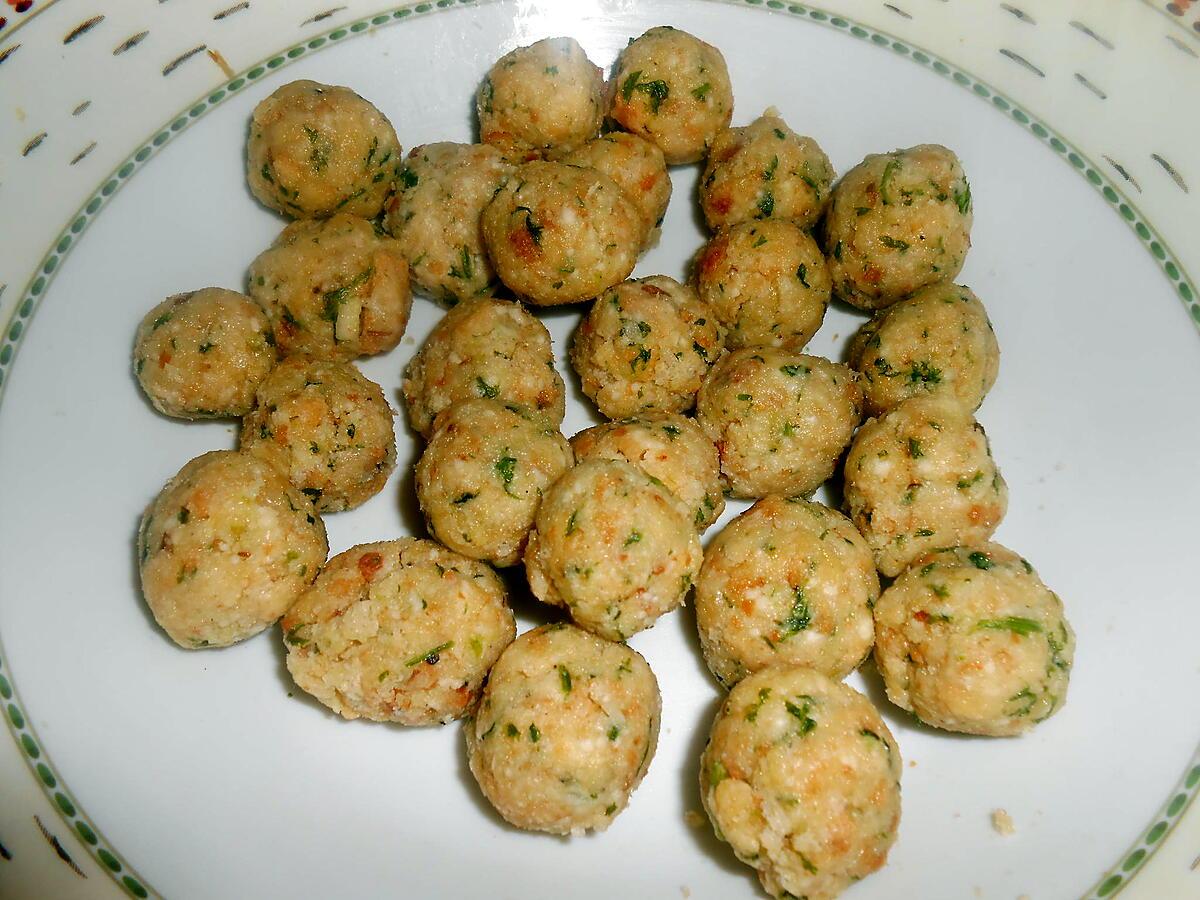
[(486, 92), (614, 732), (293, 635), (766, 205), (535, 735), (779, 133), (837, 251), (807, 723), (914, 448), (184, 515), (799, 617), (640, 361), (702, 91), (383, 676), (802, 274), (964, 483), (925, 373), (572, 522), (808, 866), (550, 70), (506, 468), (769, 172), (465, 269), (980, 560), (1024, 698), (700, 351), (335, 298), (717, 773), (511, 730), (430, 656), (752, 712), (564, 679), (672, 431), (963, 200), (761, 240), (465, 497), (885, 182), (206, 346), (635, 537), (489, 391), (892, 243), (1016, 624), (793, 370)]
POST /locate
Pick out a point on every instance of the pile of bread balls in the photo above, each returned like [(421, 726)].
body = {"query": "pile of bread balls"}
[(709, 395)]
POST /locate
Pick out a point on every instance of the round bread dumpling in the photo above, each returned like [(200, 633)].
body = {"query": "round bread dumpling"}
[(319, 149), (398, 631), (565, 730), (897, 222), (672, 450), (971, 640), (921, 477), (638, 168), (788, 582), (435, 212), (802, 778), (484, 348), (333, 288), (780, 420), (547, 96), (225, 548), (767, 282), (200, 355), (612, 547), (764, 171), (938, 342), (482, 476), (561, 234), (644, 346), (673, 89), (327, 428)]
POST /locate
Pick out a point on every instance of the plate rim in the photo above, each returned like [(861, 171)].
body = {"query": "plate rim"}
[(50, 781)]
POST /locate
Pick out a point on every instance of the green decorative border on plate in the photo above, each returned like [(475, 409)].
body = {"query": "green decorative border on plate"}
[(51, 782)]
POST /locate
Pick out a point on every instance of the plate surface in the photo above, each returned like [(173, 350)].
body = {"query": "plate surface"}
[(198, 774)]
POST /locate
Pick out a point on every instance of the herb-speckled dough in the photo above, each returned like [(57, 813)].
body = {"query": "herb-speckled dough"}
[(971, 640), (484, 348), (644, 346), (398, 631), (668, 447), (434, 214), (547, 96), (802, 778), (200, 355), (764, 171), (767, 282), (561, 234), (482, 476), (673, 89), (897, 222), (327, 428), (638, 168), (920, 477), (318, 149), (333, 288), (225, 548), (613, 548), (938, 341), (780, 420), (565, 730), (788, 582)]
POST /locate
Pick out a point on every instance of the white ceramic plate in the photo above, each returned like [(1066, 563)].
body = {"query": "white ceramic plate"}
[(136, 767)]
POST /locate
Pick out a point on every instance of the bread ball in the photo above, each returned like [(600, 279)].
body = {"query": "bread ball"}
[(764, 171), (644, 346), (638, 168), (327, 428), (225, 548), (612, 547), (482, 476), (920, 477), (802, 778), (673, 89), (319, 149), (200, 355), (969, 639), (672, 450), (780, 420), (565, 731), (897, 222), (398, 631), (484, 348), (435, 212), (939, 341), (767, 282), (333, 288), (561, 234), (788, 582), (546, 96)]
